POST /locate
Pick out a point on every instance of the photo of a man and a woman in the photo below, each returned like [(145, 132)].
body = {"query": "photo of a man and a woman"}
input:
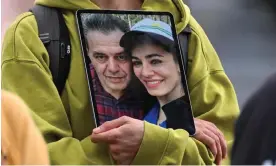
[(134, 69)]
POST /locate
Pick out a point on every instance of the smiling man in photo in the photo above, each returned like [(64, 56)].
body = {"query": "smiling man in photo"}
[(111, 68)]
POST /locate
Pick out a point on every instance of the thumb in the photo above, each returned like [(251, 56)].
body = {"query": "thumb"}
[(111, 125)]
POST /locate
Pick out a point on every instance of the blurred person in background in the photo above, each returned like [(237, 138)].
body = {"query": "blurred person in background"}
[(255, 133), (21, 141)]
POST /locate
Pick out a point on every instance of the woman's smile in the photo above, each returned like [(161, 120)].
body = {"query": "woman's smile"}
[(152, 83)]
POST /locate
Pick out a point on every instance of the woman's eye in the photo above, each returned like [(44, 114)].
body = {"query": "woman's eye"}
[(156, 61), (136, 63)]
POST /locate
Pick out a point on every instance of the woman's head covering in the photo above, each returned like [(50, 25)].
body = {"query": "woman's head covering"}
[(158, 30)]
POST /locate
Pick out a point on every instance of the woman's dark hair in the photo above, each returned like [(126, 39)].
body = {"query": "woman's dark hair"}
[(141, 39)]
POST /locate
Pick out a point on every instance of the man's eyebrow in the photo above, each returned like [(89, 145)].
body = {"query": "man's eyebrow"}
[(120, 53), (97, 52)]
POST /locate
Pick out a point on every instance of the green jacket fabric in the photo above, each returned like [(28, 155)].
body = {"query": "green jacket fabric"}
[(66, 123)]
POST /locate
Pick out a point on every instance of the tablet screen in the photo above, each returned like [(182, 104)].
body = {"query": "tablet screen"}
[(135, 67)]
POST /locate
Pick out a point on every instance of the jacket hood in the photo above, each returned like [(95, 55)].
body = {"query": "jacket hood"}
[(179, 10)]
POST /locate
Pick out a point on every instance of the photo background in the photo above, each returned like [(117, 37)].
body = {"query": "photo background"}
[(132, 19)]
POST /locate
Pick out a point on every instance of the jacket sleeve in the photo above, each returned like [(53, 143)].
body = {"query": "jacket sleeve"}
[(25, 72), (213, 99)]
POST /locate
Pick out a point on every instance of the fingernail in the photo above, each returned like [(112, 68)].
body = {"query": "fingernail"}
[(97, 130)]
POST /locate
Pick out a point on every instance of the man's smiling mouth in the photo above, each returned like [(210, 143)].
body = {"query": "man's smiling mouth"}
[(115, 79)]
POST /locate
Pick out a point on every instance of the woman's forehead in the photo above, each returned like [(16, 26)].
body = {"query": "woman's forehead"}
[(148, 51)]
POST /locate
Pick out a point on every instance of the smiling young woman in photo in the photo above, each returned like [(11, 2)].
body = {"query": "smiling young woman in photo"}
[(155, 64)]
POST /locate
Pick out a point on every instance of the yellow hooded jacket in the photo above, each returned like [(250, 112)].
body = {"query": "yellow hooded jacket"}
[(66, 122)]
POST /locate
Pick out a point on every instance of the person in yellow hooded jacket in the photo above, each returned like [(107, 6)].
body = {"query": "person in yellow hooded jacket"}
[(66, 122)]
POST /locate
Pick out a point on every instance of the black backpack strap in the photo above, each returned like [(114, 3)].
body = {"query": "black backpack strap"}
[(184, 44), (54, 34)]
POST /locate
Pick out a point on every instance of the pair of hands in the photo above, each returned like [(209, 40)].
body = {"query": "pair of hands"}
[(124, 136)]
